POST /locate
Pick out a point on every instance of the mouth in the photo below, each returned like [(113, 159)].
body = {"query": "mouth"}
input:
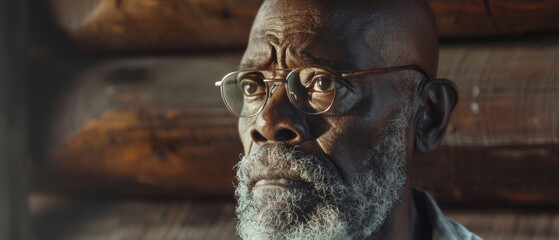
[(265, 181), (281, 171), (276, 176), (269, 191), (272, 182), (264, 184)]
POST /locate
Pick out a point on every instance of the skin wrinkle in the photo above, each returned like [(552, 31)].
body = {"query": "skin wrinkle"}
[(301, 55), (338, 213), (385, 37), (285, 27), (367, 134)]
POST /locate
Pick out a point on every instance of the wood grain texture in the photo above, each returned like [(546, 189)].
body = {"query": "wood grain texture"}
[(491, 175), (507, 92), (177, 25), (65, 219), (524, 15), (157, 126), (126, 25), (487, 18), (463, 18), (62, 219), (508, 224)]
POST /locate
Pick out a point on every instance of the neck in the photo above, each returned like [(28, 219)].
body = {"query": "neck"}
[(404, 222)]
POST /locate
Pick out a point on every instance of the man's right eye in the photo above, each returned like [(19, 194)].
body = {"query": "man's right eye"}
[(252, 88)]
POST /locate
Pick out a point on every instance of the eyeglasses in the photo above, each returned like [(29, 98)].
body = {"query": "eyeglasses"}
[(312, 90)]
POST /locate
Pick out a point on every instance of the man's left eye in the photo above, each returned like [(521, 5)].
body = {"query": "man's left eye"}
[(323, 84)]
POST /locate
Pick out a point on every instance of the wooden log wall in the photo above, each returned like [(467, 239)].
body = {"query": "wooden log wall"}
[(145, 126), (502, 144), (486, 18), (154, 125), (157, 126), (151, 25)]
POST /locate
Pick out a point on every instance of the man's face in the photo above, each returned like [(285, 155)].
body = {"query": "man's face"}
[(337, 174)]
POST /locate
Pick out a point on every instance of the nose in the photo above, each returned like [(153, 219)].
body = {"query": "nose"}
[(280, 121)]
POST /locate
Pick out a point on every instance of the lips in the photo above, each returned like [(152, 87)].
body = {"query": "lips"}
[(274, 170), (272, 182), (260, 174), (275, 178)]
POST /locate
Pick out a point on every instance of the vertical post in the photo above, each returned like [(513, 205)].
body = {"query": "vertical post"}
[(13, 110)]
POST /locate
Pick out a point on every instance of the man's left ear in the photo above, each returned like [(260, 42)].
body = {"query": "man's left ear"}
[(438, 98)]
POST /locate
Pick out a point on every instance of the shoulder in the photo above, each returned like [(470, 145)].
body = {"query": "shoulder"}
[(460, 231), (443, 227)]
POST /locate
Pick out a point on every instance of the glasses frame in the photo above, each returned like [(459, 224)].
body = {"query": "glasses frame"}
[(292, 70)]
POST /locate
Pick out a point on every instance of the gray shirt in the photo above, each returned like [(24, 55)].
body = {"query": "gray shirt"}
[(443, 227)]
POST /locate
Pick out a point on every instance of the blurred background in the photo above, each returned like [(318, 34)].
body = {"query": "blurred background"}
[(111, 127)]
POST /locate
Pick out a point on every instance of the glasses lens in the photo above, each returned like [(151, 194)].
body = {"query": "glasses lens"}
[(312, 89), (244, 92)]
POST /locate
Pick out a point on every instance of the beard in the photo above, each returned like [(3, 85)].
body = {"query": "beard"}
[(325, 207)]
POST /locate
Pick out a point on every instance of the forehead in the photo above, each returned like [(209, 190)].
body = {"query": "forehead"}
[(295, 50), (347, 36), (301, 38)]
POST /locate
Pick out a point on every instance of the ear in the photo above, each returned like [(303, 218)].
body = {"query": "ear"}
[(438, 98)]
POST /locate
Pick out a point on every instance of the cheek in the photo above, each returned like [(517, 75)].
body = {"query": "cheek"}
[(244, 132), (349, 144)]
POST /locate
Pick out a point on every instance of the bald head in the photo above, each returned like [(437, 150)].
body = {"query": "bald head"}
[(348, 36), (327, 153)]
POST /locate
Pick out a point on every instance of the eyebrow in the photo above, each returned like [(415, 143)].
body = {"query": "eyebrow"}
[(303, 59)]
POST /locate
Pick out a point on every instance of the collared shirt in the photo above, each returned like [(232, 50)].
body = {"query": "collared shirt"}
[(443, 227)]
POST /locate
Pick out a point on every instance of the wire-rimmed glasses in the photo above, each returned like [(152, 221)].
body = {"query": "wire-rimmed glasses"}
[(312, 90)]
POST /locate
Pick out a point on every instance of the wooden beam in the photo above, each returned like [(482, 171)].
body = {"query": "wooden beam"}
[(463, 18), (510, 175), (13, 108), (215, 220), (194, 25), (488, 18), (507, 92), (157, 126), (148, 25), (524, 16)]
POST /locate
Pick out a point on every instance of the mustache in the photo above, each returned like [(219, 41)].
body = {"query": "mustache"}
[(272, 162), (278, 161)]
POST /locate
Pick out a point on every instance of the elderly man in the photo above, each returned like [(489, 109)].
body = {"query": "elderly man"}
[(333, 98)]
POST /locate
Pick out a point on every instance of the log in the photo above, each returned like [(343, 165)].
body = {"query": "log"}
[(156, 126), (150, 25), (489, 18), (508, 92), (193, 25), (524, 175), (524, 15), (145, 126), (463, 18), (215, 220)]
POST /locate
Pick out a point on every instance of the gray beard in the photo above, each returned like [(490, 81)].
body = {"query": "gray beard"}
[(332, 209)]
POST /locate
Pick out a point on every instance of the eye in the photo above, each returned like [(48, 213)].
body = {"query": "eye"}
[(250, 87), (322, 83)]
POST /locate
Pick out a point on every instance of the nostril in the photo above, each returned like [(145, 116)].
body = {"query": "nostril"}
[(284, 135), (257, 137)]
